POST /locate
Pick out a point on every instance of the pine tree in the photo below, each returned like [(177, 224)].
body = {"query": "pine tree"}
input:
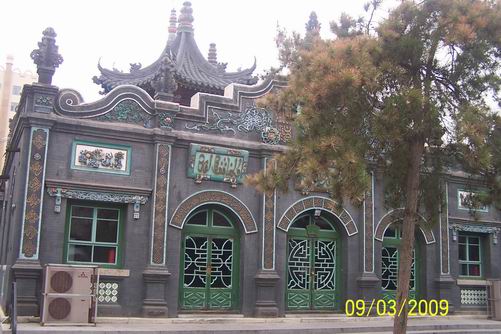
[(409, 96)]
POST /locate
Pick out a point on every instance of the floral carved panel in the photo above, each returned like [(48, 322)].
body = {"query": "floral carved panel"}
[(34, 193), (101, 157), (160, 208)]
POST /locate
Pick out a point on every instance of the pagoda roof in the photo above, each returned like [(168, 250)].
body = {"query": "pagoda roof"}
[(182, 59)]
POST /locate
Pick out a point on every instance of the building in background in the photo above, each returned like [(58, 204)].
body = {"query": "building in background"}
[(12, 81)]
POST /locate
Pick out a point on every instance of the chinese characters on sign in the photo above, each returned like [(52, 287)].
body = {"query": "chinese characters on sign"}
[(217, 164)]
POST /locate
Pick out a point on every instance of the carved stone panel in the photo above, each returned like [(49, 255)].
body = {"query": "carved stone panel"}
[(98, 157), (160, 207), (217, 164), (34, 193)]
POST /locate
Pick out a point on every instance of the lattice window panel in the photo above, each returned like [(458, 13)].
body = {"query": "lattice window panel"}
[(474, 296), (107, 293)]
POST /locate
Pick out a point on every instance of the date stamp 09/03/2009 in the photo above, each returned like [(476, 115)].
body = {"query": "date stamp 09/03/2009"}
[(382, 307)]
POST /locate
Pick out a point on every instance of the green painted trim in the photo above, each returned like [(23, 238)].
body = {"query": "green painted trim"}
[(103, 145), (321, 235), (118, 245), (209, 231), (481, 256)]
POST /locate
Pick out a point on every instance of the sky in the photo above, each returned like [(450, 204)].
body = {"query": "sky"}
[(120, 32)]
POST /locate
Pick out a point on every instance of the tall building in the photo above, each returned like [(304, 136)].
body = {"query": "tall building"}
[(12, 81)]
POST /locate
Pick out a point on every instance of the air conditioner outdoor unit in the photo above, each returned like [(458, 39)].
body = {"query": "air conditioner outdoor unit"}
[(69, 294)]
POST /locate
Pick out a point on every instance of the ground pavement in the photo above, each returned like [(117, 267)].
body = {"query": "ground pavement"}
[(289, 325)]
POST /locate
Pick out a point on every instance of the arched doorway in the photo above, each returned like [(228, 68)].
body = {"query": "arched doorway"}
[(209, 261), (313, 262), (390, 249)]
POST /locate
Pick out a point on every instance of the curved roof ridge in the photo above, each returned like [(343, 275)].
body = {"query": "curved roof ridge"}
[(185, 62)]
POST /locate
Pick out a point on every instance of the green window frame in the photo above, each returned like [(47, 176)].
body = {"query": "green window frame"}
[(93, 235), (470, 255)]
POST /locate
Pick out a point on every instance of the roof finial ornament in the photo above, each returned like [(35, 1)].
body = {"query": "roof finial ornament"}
[(172, 25), (46, 57), (212, 58), (186, 18)]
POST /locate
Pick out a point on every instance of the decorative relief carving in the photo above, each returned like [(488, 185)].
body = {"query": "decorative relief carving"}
[(270, 135), (166, 120), (252, 119), (100, 157), (159, 218), (127, 111), (217, 164), (97, 196), (269, 228), (44, 100), (214, 197), (475, 228), (327, 204), (33, 196)]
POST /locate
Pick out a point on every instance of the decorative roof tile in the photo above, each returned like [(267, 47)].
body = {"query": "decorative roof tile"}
[(180, 65)]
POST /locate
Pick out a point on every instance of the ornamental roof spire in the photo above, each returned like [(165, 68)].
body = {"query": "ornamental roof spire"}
[(212, 57), (181, 70), (46, 56), (186, 18), (172, 25)]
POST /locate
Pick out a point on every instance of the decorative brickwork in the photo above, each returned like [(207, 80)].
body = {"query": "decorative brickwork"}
[(369, 231), (160, 207), (269, 225), (214, 197), (317, 202), (396, 216), (34, 193)]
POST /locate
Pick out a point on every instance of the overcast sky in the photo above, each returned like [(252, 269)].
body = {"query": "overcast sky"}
[(126, 31)]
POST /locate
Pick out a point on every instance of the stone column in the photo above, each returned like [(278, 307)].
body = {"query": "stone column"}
[(156, 274), (267, 277), (27, 269), (368, 281), (445, 282)]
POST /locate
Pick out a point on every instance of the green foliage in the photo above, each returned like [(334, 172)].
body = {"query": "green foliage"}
[(368, 96)]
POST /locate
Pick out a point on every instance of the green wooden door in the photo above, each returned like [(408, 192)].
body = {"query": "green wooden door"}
[(209, 262), (389, 264), (312, 264)]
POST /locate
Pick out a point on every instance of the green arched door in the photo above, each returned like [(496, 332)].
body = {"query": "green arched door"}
[(312, 264), (389, 264), (209, 262)]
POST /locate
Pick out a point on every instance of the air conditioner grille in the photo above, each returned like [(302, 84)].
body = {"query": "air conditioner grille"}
[(59, 308), (61, 281)]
